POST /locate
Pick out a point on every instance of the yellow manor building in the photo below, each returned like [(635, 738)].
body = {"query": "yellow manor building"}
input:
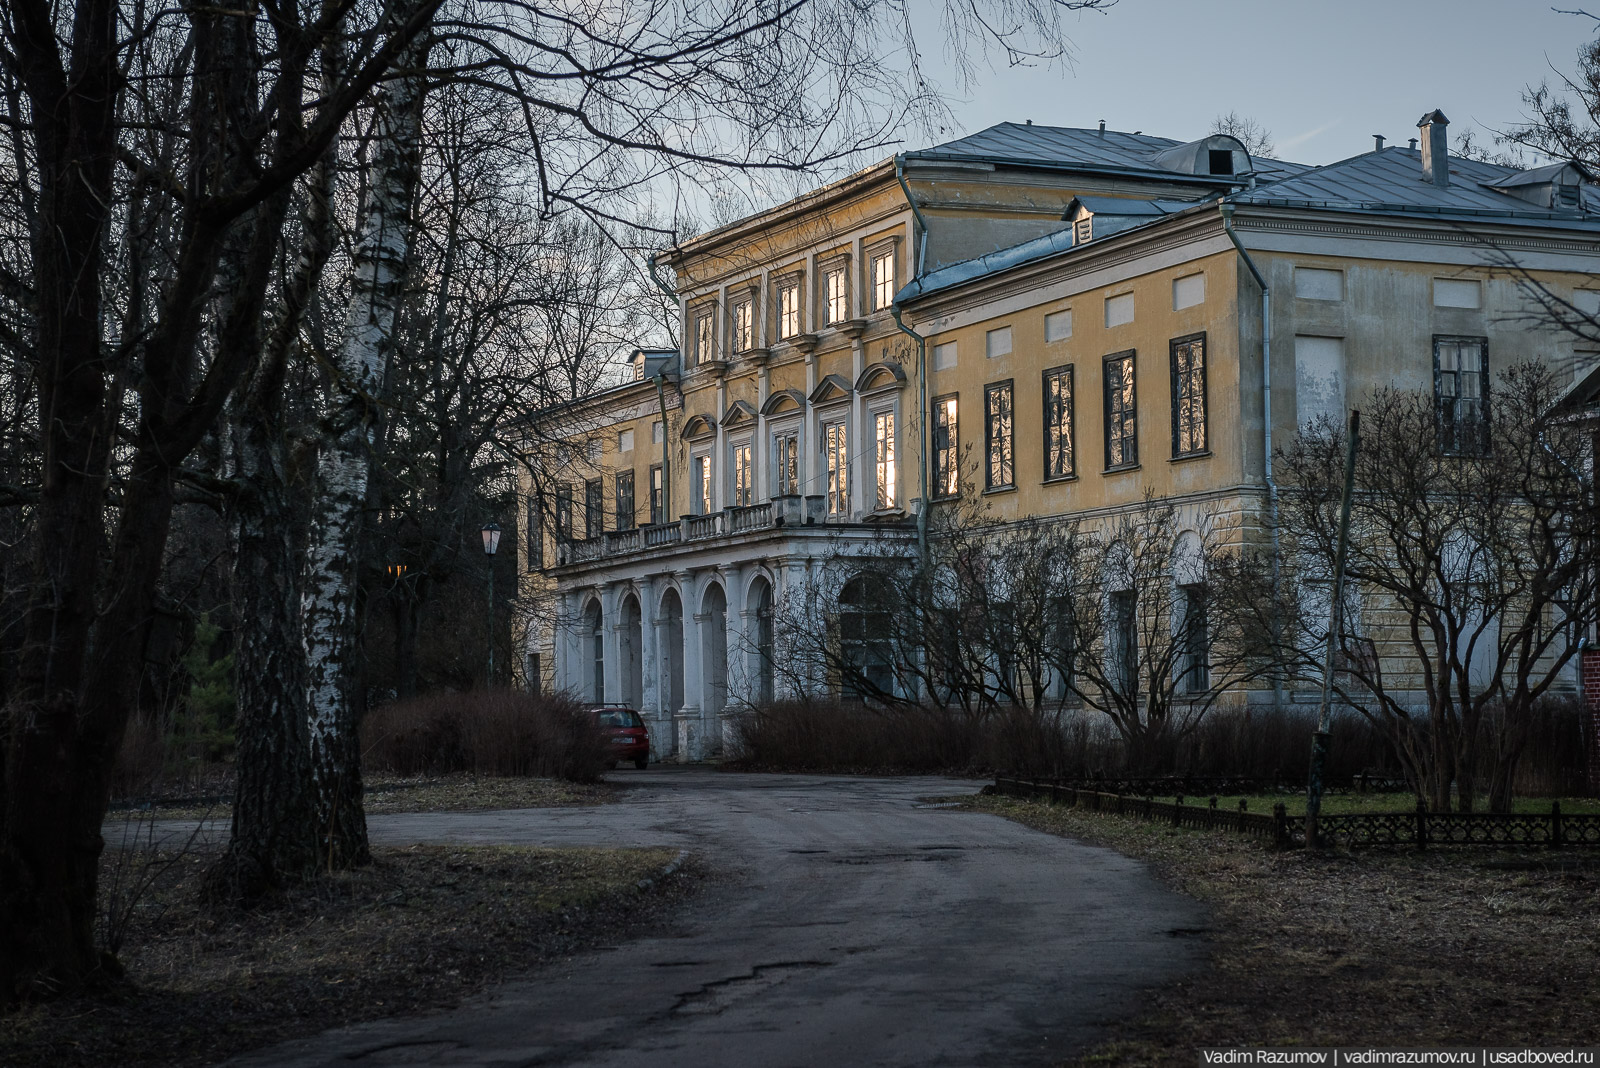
[(1056, 320)]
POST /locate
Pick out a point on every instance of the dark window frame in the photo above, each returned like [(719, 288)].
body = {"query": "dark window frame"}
[(1194, 659), (594, 507), (627, 508), (1447, 409), (564, 512), (535, 534), (1178, 428), (950, 453), (1009, 460), (1129, 416), (656, 515), (1069, 434)]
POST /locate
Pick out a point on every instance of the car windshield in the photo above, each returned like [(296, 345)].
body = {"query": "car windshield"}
[(619, 717)]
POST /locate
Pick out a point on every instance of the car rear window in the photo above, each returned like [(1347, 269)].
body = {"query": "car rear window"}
[(619, 717)]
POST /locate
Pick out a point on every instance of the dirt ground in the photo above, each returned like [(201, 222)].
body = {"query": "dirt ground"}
[(1386, 948), (420, 929)]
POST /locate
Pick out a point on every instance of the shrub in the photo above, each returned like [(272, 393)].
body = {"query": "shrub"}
[(497, 732)]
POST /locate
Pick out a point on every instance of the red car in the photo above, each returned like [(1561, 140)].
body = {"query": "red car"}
[(625, 734)]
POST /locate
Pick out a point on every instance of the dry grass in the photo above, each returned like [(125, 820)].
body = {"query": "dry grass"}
[(418, 930), (1383, 948)]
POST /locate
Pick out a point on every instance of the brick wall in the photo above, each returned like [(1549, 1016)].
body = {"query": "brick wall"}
[(1591, 691)]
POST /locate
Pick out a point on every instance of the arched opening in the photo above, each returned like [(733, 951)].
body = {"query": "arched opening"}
[(594, 639), (671, 642), (713, 651), (630, 649), (759, 604), (864, 637)]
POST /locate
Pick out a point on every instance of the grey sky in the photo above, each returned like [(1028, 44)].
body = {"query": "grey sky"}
[(1322, 77)]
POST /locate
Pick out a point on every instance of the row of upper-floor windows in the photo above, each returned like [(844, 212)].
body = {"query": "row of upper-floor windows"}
[(1059, 454), (743, 328)]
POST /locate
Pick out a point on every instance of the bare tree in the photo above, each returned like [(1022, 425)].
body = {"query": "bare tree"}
[(1471, 569), (1256, 138)]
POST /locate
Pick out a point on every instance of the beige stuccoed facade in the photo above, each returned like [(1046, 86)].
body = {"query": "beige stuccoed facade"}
[(1032, 270)]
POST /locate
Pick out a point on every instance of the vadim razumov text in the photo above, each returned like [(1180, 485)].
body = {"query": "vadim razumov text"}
[(1369, 1056)]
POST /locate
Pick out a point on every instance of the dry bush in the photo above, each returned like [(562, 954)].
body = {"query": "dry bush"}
[(497, 732), (850, 736)]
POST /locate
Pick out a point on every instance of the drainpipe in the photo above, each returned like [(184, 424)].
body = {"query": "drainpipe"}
[(922, 363), (1266, 408), (661, 400)]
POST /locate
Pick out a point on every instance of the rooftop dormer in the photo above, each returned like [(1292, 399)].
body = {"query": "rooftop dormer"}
[(1217, 156), (1558, 186)]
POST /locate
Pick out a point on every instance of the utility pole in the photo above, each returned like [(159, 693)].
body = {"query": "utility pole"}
[(1319, 740)]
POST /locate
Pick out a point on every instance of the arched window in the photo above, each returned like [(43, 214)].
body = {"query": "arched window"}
[(864, 636)]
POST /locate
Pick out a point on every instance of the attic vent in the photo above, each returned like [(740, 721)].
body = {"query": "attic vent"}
[(1083, 230), (1221, 161), (1567, 196)]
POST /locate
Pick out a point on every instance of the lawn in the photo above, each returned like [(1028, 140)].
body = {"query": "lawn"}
[(420, 929), (1378, 947)]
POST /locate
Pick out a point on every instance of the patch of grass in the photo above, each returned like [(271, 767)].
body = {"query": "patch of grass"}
[(436, 793), (418, 930), (1446, 947)]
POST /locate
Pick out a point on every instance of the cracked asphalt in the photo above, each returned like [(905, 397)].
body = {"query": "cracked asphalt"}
[(860, 926)]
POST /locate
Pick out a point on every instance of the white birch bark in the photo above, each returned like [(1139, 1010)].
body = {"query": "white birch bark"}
[(345, 457)]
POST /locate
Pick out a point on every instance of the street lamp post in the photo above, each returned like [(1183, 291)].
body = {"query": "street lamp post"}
[(491, 542)]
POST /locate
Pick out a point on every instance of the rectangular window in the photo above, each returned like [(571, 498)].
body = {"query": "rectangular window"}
[(655, 432), (535, 534), (625, 441), (997, 342), (594, 508), (999, 468), (1461, 393), (744, 337), (882, 280), (564, 512), (1121, 412), (1119, 310), (836, 457), (785, 464), (702, 337), (1319, 380), (1188, 291), (836, 309), (591, 450), (946, 456), (789, 309), (1457, 293), (944, 356), (1058, 431), (625, 512), (888, 478), (702, 482), (656, 515), (1314, 283), (1188, 395), (743, 476), (1194, 672), (1058, 325), (1122, 642)]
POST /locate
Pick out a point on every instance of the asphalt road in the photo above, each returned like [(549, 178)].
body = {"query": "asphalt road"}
[(860, 927)]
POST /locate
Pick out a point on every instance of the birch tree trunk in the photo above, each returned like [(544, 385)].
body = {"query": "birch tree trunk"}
[(344, 461)]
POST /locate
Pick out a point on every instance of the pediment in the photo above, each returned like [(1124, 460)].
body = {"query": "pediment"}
[(698, 426), (831, 388), (884, 375), (738, 412), (784, 400)]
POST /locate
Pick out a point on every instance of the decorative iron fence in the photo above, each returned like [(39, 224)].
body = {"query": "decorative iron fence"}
[(1419, 828)]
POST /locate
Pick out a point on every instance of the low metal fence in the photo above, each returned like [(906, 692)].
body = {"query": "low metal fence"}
[(1419, 829)]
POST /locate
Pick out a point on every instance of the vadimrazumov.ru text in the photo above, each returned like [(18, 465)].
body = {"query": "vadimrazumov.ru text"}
[(1374, 1057)]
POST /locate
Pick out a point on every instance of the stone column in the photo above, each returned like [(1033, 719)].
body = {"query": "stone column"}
[(611, 639), (690, 742)]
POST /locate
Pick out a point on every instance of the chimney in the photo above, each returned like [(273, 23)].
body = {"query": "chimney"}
[(1435, 148), (1102, 127), (1377, 142)]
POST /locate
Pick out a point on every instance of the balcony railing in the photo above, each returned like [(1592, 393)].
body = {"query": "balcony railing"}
[(750, 517)]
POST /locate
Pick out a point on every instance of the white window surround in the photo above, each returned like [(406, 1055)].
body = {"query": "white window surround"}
[(944, 356), (735, 443), (880, 288), (886, 402), (1318, 283), (1119, 310), (1188, 291), (1058, 325), (786, 427), (697, 494), (833, 290), (1457, 293), (997, 342)]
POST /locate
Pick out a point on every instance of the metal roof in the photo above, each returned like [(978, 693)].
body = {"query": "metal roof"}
[(1069, 147)]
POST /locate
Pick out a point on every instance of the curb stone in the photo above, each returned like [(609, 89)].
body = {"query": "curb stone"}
[(665, 873)]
